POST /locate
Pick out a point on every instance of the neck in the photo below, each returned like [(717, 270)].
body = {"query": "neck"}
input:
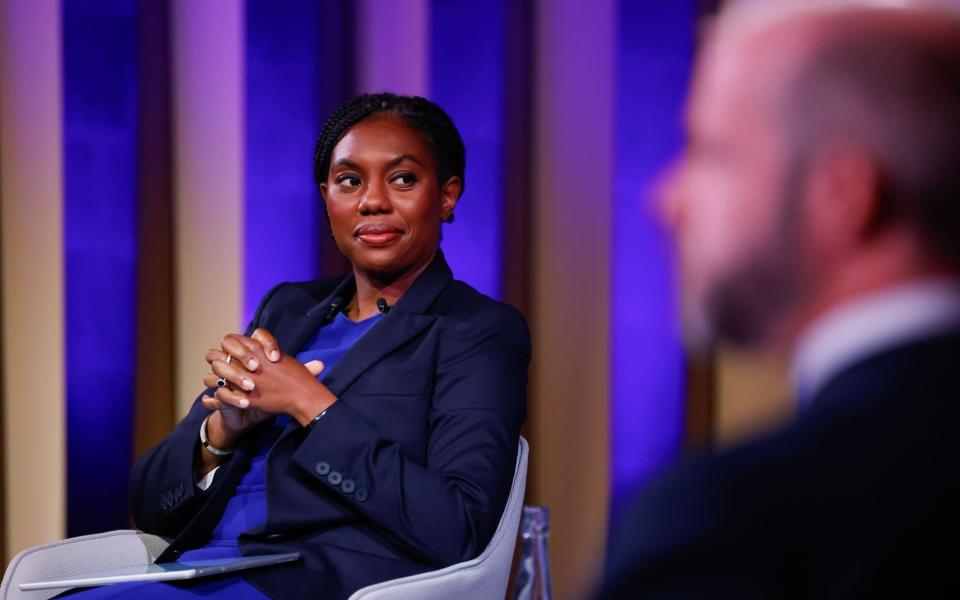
[(373, 286), (857, 277)]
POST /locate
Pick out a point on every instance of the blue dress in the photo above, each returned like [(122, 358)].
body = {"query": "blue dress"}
[(248, 506)]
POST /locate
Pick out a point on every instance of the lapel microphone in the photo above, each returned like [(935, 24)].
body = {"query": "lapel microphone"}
[(382, 306), (335, 307)]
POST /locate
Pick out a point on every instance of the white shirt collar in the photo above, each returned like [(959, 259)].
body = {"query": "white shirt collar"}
[(858, 329)]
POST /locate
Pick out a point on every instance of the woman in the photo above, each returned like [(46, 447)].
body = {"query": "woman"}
[(399, 457)]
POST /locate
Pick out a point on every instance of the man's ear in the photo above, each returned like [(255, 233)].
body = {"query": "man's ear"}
[(449, 196), (843, 198)]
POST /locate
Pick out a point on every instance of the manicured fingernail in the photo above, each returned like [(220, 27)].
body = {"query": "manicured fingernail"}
[(253, 364), (243, 403), (274, 355), (248, 384)]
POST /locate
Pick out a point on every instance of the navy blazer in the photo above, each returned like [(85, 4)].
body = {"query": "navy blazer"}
[(408, 471), (858, 498)]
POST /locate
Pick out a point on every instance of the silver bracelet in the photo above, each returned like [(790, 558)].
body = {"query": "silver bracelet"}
[(206, 443), (317, 418)]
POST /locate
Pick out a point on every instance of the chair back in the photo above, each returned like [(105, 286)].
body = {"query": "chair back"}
[(482, 578)]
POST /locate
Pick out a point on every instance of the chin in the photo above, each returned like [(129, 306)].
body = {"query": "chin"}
[(385, 263)]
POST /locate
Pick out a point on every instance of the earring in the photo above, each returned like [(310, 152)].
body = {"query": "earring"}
[(450, 218)]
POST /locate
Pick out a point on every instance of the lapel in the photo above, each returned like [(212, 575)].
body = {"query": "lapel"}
[(295, 327), (407, 319)]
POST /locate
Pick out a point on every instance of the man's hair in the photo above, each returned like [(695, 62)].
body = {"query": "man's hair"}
[(895, 91), (422, 115)]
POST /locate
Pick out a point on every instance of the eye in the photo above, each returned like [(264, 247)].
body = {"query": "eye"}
[(348, 181), (404, 179)]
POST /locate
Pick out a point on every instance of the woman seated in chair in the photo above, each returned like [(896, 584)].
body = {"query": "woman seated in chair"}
[(370, 424)]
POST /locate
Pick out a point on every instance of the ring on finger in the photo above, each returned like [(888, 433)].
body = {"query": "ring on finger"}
[(229, 358), (221, 382)]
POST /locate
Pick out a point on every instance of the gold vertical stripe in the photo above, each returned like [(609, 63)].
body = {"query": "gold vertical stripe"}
[(32, 271), (752, 396), (207, 57), (573, 166), (3, 446)]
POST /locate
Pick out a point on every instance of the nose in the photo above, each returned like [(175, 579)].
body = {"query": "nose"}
[(376, 200)]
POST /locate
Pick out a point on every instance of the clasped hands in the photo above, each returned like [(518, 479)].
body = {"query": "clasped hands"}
[(262, 382)]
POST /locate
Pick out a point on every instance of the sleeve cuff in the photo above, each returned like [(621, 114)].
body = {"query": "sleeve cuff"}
[(207, 480)]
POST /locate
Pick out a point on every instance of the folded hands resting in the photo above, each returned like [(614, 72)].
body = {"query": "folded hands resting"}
[(261, 381)]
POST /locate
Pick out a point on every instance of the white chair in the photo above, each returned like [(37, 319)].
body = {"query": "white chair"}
[(75, 556), (483, 578)]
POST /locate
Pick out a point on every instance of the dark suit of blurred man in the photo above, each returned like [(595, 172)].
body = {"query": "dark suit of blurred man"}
[(817, 214)]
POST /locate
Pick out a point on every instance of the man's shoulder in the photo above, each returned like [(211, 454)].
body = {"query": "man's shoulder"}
[(873, 452), (925, 367), (893, 411)]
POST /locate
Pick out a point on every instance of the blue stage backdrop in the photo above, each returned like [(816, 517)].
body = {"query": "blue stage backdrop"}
[(656, 44), (100, 222), (283, 85), (467, 78)]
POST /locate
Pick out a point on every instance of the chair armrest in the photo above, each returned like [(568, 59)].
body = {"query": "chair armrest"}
[(482, 578), (74, 556)]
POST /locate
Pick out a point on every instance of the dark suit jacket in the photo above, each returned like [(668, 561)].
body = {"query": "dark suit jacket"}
[(858, 498), (408, 471)]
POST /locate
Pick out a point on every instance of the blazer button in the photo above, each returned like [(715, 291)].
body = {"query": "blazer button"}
[(361, 494), (323, 468), (334, 477), (348, 486)]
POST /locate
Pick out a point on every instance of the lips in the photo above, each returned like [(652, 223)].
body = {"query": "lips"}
[(377, 234)]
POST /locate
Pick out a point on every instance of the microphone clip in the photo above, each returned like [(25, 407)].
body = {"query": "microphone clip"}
[(335, 307)]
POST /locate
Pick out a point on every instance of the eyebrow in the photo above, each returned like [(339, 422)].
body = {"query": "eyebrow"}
[(346, 162), (404, 157)]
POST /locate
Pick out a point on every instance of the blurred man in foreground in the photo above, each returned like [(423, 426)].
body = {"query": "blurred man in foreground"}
[(817, 214)]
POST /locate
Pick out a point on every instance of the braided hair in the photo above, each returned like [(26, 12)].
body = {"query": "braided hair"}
[(425, 117)]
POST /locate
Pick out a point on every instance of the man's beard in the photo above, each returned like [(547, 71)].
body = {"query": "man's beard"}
[(745, 305)]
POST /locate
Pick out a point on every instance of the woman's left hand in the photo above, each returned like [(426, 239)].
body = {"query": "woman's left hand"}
[(282, 384)]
